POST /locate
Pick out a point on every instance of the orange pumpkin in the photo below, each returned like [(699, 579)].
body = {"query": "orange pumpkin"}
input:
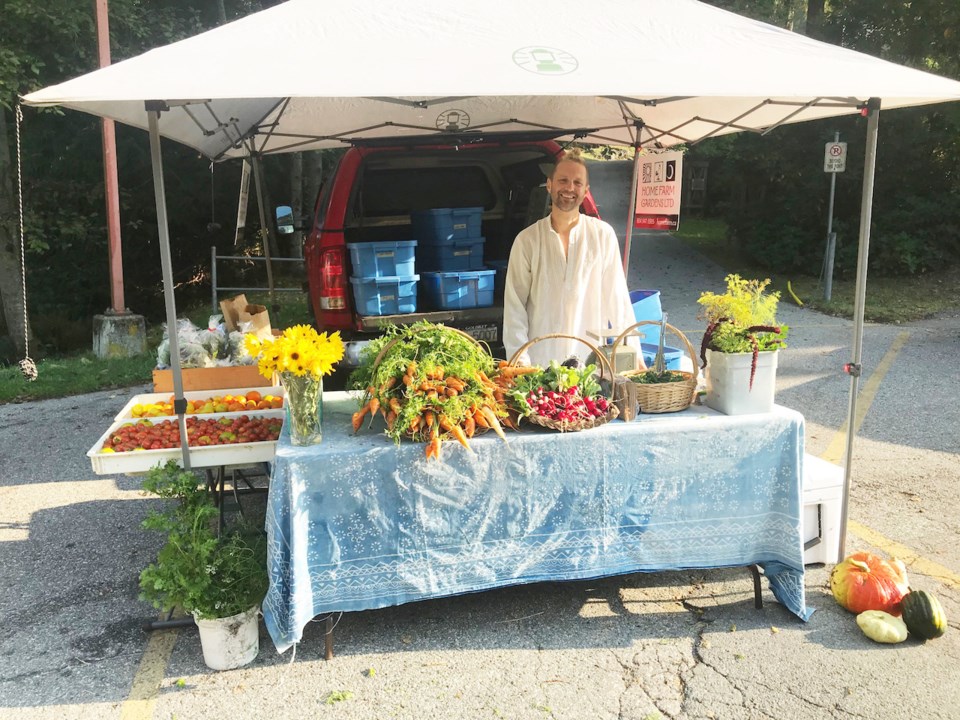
[(864, 581)]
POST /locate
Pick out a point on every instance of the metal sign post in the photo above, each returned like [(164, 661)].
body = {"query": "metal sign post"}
[(834, 161)]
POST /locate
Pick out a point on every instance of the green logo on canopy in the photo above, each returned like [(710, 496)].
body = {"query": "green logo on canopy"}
[(545, 60)]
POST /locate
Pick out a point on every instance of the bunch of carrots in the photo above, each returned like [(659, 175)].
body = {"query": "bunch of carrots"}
[(430, 384)]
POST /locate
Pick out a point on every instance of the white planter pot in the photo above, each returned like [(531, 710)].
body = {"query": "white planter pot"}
[(230, 642), (728, 382)]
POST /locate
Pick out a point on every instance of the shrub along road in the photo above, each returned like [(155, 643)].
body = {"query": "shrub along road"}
[(671, 645)]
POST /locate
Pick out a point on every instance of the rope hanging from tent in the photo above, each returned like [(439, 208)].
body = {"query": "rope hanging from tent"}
[(27, 366)]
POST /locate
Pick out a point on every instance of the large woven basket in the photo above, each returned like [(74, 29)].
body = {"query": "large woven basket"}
[(663, 397), (587, 423)]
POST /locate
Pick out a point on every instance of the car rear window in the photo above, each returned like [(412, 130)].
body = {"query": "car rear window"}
[(397, 191)]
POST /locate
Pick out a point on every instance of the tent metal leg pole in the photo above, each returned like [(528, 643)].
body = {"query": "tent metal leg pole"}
[(866, 213), (160, 196), (631, 209)]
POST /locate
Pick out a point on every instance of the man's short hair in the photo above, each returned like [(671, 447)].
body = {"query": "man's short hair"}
[(572, 155)]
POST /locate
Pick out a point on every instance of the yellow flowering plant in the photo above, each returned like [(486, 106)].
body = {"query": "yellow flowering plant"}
[(299, 350), (301, 357)]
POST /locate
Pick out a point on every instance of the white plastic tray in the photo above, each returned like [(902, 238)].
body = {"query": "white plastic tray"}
[(127, 412), (206, 456)]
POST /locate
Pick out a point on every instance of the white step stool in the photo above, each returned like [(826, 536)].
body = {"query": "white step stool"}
[(822, 498)]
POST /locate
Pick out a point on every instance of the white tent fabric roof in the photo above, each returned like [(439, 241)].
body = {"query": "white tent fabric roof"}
[(312, 73)]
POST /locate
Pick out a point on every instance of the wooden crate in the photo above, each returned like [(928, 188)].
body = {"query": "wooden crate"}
[(215, 378)]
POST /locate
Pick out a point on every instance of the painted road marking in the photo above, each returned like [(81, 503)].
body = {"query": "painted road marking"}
[(834, 454), (142, 699), (913, 559), (838, 445)]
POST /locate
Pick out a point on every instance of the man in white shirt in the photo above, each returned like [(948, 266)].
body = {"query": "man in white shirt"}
[(565, 276)]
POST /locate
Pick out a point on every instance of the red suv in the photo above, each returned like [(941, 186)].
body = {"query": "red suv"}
[(378, 183)]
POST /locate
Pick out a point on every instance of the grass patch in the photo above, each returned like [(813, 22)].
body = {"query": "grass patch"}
[(888, 299), (76, 374), (59, 377)]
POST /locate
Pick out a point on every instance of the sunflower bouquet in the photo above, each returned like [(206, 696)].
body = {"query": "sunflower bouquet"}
[(300, 356)]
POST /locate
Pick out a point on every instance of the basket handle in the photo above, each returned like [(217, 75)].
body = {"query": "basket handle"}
[(601, 358), (686, 343)]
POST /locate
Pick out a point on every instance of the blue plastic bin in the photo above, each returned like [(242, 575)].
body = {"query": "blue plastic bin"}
[(383, 259), (646, 306), (453, 256), (500, 279), (459, 290), (385, 295), (672, 356), (441, 225)]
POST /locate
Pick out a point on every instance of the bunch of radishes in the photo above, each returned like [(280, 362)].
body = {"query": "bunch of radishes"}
[(567, 406)]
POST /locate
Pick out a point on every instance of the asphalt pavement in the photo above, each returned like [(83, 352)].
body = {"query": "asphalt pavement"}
[(661, 645)]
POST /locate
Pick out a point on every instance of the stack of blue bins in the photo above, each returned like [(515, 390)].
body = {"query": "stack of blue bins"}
[(384, 279), (646, 306), (450, 258)]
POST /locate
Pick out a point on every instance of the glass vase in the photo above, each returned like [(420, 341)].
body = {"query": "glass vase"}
[(304, 403)]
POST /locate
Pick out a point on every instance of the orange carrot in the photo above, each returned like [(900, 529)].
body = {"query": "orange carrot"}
[(374, 406), (395, 405), (469, 426), (455, 430), (428, 418), (389, 383)]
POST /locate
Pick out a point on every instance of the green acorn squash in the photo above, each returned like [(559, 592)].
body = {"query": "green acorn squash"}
[(923, 614)]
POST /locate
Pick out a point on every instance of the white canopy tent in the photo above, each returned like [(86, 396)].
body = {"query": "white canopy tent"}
[(648, 73)]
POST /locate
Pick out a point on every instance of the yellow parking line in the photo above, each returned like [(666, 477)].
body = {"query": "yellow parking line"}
[(838, 445), (142, 699), (912, 559), (834, 454)]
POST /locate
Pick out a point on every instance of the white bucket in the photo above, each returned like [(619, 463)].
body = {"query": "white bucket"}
[(230, 642), (728, 382)]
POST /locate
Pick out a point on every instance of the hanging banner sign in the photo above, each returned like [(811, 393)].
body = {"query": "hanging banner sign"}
[(658, 192)]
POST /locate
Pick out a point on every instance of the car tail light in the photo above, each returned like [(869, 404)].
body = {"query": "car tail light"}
[(333, 280)]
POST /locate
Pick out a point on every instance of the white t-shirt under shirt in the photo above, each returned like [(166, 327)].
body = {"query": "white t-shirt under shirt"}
[(548, 293)]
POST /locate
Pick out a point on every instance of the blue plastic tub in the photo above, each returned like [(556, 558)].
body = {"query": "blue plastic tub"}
[(383, 259), (385, 295), (440, 225), (500, 279), (672, 356), (646, 306), (459, 290), (454, 256)]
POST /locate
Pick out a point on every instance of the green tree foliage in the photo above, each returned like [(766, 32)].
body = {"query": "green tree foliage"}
[(65, 220), (772, 189)]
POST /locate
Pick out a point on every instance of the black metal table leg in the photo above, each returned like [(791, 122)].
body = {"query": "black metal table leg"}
[(757, 597), (328, 639)]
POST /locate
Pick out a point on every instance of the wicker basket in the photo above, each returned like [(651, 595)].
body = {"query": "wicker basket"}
[(664, 397), (586, 424)]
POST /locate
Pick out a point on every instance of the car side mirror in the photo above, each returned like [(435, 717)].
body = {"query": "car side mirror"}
[(285, 220)]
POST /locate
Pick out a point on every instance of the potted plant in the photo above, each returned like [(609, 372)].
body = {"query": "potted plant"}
[(740, 346), (219, 580)]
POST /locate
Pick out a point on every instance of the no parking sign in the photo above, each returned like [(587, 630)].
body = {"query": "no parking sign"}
[(835, 157)]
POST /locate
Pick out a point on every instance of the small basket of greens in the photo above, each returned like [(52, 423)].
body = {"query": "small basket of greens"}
[(660, 390)]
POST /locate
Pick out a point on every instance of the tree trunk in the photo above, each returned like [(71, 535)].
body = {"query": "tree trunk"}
[(815, 18), (313, 175), (296, 203), (11, 277)]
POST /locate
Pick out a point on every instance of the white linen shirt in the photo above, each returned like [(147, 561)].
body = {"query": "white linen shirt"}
[(547, 293)]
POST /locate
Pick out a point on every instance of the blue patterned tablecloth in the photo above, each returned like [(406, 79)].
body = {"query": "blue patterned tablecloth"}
[(357, 522)]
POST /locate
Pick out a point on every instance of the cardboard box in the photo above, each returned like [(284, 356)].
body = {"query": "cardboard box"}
[(240, 315), (215, 378)]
